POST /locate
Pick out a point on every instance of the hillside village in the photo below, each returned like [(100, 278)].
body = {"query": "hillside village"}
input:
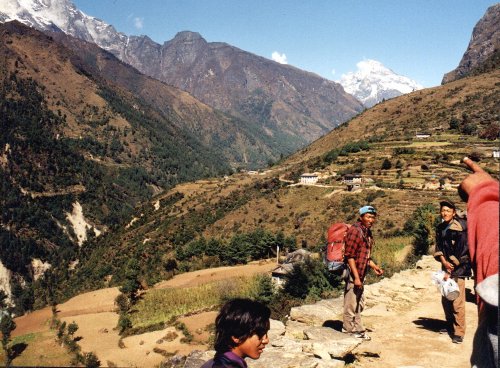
[(426, 176)]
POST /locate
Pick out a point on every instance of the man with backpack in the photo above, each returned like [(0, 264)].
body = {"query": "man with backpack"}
[(452, 252), (357, 255)]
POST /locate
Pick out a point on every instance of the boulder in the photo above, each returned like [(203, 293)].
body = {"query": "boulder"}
[(194, 360), (319, 313), (277, 328), (287, 344), (285, 359), (328, 343), (295, 330)]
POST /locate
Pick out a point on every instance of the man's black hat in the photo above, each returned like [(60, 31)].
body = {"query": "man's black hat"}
[(446, 202)]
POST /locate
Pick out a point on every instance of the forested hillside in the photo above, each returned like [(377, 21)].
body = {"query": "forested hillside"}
[(71, 138)]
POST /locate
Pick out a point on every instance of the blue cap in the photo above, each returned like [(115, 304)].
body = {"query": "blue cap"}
[(367, 209)]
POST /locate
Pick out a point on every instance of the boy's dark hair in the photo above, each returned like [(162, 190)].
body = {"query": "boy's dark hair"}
[(240, 318)]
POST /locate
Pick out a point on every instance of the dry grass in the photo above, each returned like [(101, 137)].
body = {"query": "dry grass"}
[(166, 305), (39, 349)]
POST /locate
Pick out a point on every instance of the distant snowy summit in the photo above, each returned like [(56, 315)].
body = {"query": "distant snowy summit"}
[(373, 82), (62, 15)]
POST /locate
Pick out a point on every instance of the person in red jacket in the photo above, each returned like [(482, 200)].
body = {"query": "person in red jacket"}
[(481, 192)]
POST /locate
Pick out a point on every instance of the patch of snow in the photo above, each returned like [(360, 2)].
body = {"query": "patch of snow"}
[(156, 205)]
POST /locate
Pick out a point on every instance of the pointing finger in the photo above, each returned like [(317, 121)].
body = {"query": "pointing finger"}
[(472, 165)]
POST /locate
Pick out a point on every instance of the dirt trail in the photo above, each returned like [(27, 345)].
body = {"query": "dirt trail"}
[(411, 338)]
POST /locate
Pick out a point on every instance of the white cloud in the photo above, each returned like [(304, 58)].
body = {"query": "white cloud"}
[(279, 58), (138, 22), (334, 71)]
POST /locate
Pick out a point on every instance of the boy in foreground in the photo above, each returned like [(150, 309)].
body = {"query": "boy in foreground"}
[(240, 332)]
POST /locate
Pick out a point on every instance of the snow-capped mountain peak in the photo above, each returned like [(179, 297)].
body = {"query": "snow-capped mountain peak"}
[(62, 15), (373, 82), (42, 14)]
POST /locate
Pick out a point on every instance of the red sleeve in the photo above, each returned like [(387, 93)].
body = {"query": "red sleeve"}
[(483, 223)]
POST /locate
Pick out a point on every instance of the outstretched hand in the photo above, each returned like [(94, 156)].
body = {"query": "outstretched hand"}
[(470, 182)]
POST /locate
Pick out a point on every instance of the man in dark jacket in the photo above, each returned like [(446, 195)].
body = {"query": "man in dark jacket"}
[(453, 252)]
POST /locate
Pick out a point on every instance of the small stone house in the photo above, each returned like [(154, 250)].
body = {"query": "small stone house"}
[(422, 135), (279, 272), (353, 181), (308, 178)]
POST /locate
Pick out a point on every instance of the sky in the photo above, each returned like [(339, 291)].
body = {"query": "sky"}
[(419, 39)]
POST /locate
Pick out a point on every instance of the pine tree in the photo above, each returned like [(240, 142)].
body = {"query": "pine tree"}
[(7, 325)]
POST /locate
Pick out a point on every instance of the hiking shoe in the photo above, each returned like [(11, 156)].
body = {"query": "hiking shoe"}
[(361, 335), (457, 339)]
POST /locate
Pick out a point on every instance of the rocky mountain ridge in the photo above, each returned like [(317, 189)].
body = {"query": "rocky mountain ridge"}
[(282, 98), (484, 43), (290, 106)]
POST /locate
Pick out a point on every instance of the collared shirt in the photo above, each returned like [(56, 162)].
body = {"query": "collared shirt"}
[(358, 245)]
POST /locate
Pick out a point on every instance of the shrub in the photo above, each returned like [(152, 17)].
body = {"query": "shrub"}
[(491, 132), (7, 325), (309, 279), (265, 289), (124, 323), (469, 129), (403, 150), (91, 361), (281, 305), (188, 336), (72, 328), (122, 302), (454, 123), (421, 225), (386, 164)]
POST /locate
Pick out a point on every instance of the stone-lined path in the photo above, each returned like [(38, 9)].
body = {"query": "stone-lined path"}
[(404, 314)]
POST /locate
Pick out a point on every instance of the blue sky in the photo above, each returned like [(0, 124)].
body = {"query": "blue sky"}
[(420, 39)]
